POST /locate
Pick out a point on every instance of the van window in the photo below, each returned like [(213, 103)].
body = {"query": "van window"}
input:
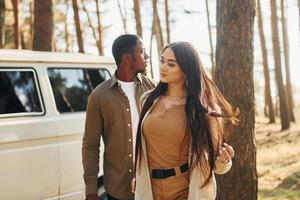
[(19, 92), (71, 87)]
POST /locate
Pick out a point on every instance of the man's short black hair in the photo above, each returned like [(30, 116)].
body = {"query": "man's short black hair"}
[(123, 44)]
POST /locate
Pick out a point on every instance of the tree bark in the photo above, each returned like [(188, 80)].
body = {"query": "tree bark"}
[(78, 28), (157, 28), (31, 26), (284, 115), (268, 97), (15, 4), (234, 77), (43, 25), (289, 93), (137, 14), (212, 56), (100, 30), (2, 22), (167, 13)]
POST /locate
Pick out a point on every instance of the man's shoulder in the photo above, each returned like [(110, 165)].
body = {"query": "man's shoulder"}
[(147, 81), (103, 87)]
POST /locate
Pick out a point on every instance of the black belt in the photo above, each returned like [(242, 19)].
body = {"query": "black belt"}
[(165, 173)]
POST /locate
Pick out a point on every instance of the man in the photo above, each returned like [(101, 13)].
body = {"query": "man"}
[(113, 113)]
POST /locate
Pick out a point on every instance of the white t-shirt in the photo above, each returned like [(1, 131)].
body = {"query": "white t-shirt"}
[(129, 89)]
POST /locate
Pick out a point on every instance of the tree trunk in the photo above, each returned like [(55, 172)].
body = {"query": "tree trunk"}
[(151, 40), (123, 16), (100, 30), (43, 25), (78, 28), (137, 15), (167, 13), (15, 4), (90, 24), (268, 97), (234, 77), (284, 115), (285, 35), (212, 56), (31, 25), (2, 22), (67, 35), (157, 28)]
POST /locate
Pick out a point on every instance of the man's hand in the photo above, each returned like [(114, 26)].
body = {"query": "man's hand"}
[(133, 185), (92, 197), (226, 154)]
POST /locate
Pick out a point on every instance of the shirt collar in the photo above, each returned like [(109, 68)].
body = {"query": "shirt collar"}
[(114, 80)]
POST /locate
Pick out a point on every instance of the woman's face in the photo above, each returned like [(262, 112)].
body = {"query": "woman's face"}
[(170, 72)]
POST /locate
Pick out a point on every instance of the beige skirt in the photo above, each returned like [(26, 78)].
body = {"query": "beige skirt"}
[(171, 188)]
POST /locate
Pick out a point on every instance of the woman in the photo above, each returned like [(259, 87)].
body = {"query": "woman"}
[(180, 134)]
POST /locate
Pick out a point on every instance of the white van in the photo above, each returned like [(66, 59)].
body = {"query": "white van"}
[(43, 98)]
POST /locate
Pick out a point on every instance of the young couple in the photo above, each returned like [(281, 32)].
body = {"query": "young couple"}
[(160, 143)]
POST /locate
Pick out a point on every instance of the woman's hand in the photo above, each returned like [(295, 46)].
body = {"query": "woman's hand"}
[(133, 185), (225, 154)]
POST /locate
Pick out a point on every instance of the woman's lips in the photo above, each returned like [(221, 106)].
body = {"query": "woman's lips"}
[(162, 74)]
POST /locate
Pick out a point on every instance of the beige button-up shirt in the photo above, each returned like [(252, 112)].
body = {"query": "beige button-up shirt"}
[(108, 115)]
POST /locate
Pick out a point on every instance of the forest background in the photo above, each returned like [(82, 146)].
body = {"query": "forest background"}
[(258, 42)]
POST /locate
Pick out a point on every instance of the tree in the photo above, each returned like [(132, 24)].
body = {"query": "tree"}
[(43, 25), (123, 16), (15, 4), (78, 28), (285, 35), (157, 28), (212, 56), (67, 35), (234, 77), (137, 16), (2, 22), (284, 115), (100, 30), (167, 13), (268, 97)]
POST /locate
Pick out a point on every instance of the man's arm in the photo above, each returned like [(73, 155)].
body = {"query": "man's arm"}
[(91, 144)]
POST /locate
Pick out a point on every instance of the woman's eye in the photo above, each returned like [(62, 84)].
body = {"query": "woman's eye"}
[(161, 61), (171, 64)]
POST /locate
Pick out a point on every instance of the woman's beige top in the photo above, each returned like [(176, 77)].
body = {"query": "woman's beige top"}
[(166, 135)]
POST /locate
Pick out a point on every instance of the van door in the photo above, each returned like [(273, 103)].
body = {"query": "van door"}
[(71, 88), (28, 151)]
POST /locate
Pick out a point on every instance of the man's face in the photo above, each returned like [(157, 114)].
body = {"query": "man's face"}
[(139, 57)]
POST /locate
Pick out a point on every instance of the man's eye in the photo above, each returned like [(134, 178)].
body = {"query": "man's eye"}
[(171, 64)]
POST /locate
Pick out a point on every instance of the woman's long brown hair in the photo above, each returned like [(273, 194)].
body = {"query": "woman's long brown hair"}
[(203, 100)]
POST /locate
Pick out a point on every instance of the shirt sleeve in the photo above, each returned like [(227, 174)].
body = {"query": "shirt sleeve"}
[(91, 145)]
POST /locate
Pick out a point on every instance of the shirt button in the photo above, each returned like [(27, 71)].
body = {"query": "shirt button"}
[(130, 170), (130, 155), (129, 125), (127, 109), (129, 140)]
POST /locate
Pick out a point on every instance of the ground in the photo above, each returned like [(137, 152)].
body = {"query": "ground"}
[(278, 161)]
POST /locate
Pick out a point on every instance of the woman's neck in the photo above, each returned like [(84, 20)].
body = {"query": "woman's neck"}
[(176, 90)]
